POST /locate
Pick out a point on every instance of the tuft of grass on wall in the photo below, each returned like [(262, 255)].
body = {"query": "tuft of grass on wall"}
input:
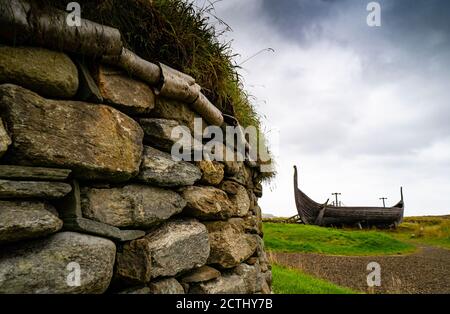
[(183, 36)]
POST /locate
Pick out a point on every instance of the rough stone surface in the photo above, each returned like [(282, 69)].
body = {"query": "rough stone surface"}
[(41, 266), (227, 156), (229, 244), (226, 284), (178, 246), (253, 200), (166, 286), (127, 94), (87, 89), (238, 195), (185, 287), (231, 167), (160, 169), (33, 189), (5, 140), (93, 227), (174, 247), (208, 203), (33, 173), (132, 206), (252, 277), (164, 134), (261, 253), (172, 109), (258, 213), (133, 263), (258, 190), (126, 186), (135, 290), (242, 176), (96, 141), (46, 72), (265, 289), (252, 224), (212, 171), (21, 220), (268, 277), (201, 274), (252, 260)]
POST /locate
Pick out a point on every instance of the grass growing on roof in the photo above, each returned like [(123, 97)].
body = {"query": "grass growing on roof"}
[(183, 36), (314, 239), (179, 34), (292, 281)]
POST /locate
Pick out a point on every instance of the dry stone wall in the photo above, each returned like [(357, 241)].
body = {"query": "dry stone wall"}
[(87, 180)]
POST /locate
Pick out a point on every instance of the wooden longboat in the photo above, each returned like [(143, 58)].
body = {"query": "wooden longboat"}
[(314, 213)]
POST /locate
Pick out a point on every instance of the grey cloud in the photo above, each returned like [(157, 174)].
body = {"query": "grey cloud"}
[(298, 20), (350, 100)]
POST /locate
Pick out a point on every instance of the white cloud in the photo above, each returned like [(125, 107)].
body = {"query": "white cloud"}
[(359, 111)]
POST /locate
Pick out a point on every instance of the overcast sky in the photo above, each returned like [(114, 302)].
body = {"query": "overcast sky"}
[(361, 110)]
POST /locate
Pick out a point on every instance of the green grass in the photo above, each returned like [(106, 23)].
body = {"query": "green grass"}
[(301, 238), (313, 239), (291, 281), (431, 230)]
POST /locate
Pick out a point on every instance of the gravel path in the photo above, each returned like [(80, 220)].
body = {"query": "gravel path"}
[(426, 271)]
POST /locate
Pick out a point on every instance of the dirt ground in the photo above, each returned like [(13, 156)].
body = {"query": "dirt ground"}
[(426, 271)]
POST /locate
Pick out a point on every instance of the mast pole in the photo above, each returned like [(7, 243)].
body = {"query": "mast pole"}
[(336, 195)]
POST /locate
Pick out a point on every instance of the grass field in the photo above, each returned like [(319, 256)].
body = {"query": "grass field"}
[(314, 239), (291, 281), (431, 230), (296, 238)]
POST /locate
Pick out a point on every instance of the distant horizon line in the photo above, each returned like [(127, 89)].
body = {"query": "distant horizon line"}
[(430, 215)]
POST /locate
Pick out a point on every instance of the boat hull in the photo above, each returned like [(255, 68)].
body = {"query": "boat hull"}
[(311, 212), (359, 215)]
